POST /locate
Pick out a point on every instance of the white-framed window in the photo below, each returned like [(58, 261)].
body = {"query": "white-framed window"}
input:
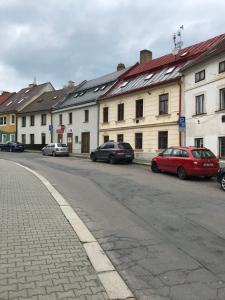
[(200, 104), (12, 137), (12, 119), (2, 120), (199, 142), (4, 138), (222, 98)]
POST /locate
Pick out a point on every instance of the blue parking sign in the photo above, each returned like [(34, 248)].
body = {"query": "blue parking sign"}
[(181, 122)]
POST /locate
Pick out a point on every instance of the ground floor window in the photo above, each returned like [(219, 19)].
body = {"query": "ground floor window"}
[(119, 137), (138, 140), (162, 139), (4, 138), (76, 139), (106, 138), (199, 142), (222, 146), (32, 139), (23, 138), (12, 137)]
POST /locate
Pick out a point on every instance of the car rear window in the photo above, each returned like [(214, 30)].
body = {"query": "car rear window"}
[(61, 145), (124, 146), (202, 154)]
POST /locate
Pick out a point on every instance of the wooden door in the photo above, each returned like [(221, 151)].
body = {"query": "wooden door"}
[(70, 142), (59, 138), (85, 142)]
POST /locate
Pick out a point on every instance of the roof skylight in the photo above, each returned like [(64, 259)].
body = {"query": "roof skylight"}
[(184, 54), (149, 76), (26, 91), (54, 98), (95, 90), (21, 100), (170, 70), (103, 87), (82, 93), (124, 84), (9, 103), (76, 95)]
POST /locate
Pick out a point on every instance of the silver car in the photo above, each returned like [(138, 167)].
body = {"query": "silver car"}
[(55, 149)]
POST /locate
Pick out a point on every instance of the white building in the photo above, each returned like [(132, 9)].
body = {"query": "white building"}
[(76, 120), (204, 97)]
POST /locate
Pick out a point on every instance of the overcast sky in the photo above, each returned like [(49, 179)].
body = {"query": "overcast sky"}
[(61, 40)]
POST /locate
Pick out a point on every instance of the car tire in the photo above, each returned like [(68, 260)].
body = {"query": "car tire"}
[(93, 157), (43, 153), (154, 167), (222, 182), (181, 173), (54, 154), (112, 160)]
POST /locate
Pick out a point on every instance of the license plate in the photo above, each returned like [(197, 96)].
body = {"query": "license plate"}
[(208, 165)]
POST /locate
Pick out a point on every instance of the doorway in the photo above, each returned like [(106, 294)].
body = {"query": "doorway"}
[(85, 142), (70, 142), (59, 138)]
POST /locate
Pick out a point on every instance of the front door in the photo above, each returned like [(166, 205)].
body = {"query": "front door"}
[(70, 142), (85, 142), (43, 139), (59, 138)]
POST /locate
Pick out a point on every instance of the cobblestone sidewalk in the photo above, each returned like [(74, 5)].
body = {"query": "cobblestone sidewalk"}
[(41, 257)]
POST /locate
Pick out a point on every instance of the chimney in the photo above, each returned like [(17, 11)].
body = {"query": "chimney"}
[(71, 83), (145, 56), (120, 67)]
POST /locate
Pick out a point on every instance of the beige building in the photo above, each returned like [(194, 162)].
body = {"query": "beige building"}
[(144, 107)]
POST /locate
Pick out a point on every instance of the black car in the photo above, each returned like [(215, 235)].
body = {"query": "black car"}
[(12, 146), (221, 178), (113, 152)]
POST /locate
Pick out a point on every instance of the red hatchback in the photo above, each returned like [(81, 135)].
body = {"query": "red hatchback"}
[(186, 161)]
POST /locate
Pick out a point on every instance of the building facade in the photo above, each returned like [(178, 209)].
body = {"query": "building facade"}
[(204, 94)]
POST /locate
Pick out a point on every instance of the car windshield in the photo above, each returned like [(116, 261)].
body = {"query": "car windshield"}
[(202, 154), (61, 145), (124, 146)]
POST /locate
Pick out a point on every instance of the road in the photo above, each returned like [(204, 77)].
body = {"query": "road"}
[(166, 237)]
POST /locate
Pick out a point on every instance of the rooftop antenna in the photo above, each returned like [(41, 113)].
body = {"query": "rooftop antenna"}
[(177, 40), (35, 80)]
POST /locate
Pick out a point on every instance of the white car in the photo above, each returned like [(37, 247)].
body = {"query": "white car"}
[(55, 149)]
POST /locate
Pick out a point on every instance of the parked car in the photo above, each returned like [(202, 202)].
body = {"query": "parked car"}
[(221, 177), (55, 149), (186, 161), (12, 146), (113, 152)]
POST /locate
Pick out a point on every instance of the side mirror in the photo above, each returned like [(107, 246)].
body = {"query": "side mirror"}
[(160, 154)]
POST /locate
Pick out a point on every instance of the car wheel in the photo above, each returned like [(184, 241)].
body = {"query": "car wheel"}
[(112, 160), (93, 157), (222, 182), (181, 173), (54, 154), (154, 167), (43, 152)]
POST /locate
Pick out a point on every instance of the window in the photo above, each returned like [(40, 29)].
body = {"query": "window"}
[(109, 146), (163, 104), (170, 70), (202, 154), (119, 137), (199, 143), (43, 119), (199, 104), (12, 119), (76, 139), (32, 139), (120, 115), (222, 66), (70, 118), (168, 152), (86, 115), (24, 121), (149, 76), (3, 120), (139, 108), (106, 138), (222, 98), (32, 120), (200, 76), (124, 84), (23, 138), (138, 140), (105, 114), (163, 139), (60, 119), (95, 90), (12, 137), (222, 146)]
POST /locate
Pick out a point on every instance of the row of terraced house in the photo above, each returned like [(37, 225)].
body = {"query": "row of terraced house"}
[(176, 99)]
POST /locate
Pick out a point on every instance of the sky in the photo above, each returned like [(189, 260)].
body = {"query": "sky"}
[(61, 40)]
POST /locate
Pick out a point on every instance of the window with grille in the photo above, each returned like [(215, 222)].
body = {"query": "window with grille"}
[(139, 108), (163, 104), (162, 139), (138, 140)]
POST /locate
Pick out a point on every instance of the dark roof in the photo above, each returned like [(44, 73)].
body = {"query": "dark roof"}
[(212, 52), (191, 52), (159, 68), (4, 96), (19, 99), (47, 100), (91, 90)]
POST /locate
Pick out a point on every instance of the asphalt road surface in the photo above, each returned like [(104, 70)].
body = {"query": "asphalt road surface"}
[(166, 237)]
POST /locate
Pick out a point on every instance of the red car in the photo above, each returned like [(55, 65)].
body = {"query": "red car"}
[(186, 161)]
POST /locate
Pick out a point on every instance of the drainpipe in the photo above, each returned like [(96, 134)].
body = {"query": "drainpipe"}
[(51, 128), (180, 102), (98, 104)]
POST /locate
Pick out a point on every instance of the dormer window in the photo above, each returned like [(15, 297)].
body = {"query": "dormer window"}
[(200, 76), (76, 95), (124, 84), (103, 87), (54, 98), (149, 76), (95, 90), (170, 70), (222, 66)]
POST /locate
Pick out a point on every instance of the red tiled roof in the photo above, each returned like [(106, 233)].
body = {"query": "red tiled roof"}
[(4, 96), (170, 59)]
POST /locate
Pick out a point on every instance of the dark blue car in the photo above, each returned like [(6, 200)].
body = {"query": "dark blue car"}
[(12, 146)]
